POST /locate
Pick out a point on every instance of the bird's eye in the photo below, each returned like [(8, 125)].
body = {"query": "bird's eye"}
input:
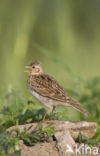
[(33, 67)]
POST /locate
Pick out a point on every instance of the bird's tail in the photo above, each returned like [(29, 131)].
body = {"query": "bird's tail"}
[(76, 106)]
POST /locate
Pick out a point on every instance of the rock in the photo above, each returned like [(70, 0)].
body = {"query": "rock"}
[(66, 133), (64, 139), (87, 129)]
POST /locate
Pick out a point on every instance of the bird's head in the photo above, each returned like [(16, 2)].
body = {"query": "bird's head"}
[(34, 68)]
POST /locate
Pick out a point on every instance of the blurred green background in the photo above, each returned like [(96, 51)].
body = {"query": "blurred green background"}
[(63, 35)]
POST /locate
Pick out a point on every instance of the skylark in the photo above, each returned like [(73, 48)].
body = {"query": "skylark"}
[(47, 90)]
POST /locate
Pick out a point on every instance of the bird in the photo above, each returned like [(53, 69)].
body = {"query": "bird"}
[(46, 90)]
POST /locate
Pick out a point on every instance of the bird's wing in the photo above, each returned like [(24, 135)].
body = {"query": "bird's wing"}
[(48, 87)]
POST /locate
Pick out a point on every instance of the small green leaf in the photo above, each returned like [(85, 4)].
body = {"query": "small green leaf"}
[(80, 137)]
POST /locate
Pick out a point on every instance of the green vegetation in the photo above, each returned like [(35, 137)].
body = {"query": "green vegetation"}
[(95, 140), (8, 141), (17, 110)]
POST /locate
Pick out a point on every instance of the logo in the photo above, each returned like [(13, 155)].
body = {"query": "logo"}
[(82, 149)]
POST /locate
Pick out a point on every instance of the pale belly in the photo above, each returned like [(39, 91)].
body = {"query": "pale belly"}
[(43, 100)]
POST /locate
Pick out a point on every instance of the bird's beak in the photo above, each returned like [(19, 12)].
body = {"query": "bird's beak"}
[(28, 69)]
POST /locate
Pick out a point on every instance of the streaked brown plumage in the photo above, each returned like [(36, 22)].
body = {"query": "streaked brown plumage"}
[(47, 90)]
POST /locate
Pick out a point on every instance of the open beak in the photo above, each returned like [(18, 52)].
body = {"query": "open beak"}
[(28, 69)]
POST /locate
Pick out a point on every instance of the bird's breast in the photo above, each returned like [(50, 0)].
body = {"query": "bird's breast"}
[(43, 100), (36, 95)]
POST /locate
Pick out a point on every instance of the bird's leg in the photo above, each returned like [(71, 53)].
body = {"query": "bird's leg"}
[(51, 114), (45, 115)]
